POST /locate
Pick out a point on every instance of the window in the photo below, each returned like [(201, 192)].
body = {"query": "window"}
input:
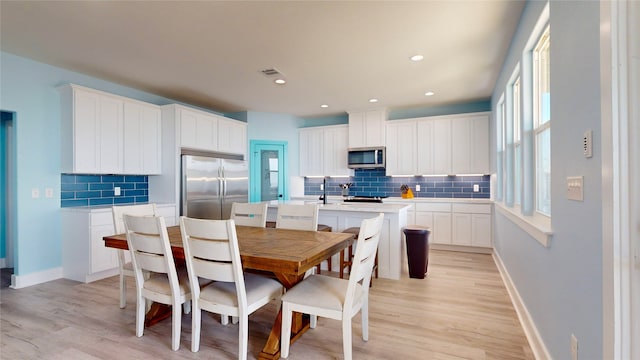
[(517, 148), (500, 146), (542, 124)]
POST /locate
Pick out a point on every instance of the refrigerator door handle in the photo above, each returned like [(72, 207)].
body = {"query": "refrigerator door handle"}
[(223, 183)]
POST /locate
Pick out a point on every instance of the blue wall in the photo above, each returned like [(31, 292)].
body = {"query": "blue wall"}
[(561, 285)]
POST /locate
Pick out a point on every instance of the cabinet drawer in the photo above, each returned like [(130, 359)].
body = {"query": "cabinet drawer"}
[(439, 207), (472, 208), (101, 218)]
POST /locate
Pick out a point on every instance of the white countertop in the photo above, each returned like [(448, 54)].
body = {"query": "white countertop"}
[(106, 207), (337, 205), (399, 200)]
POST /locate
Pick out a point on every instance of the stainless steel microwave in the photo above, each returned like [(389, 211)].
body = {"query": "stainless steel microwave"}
[(367, 157)]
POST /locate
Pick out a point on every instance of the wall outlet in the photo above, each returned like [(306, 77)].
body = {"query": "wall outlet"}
[(321, 187), (476, 188), (417, 187), (574, 347), (116, 191), (35, 193), (48, 192)]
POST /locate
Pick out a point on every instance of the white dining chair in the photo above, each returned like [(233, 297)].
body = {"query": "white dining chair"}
[(148, 242), (298, 217), (247, 214), (335, 298), (125, 268), (212, 252)]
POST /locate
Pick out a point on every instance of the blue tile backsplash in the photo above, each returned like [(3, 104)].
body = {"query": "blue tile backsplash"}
[(373, 182), (90, 190)]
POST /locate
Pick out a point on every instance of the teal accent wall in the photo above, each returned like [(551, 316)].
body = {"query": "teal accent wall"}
[(5, 117), (462, 108), (339, 119), (29, 89)]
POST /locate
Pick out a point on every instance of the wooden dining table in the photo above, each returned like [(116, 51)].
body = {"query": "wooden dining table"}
[(287, 254)]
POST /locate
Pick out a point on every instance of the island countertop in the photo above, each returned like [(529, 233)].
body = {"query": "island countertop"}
[(351, 207)]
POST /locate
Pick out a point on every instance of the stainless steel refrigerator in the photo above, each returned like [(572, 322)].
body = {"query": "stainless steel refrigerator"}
[(211, 183)]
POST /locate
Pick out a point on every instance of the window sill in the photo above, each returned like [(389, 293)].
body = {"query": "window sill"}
[(539, 228)]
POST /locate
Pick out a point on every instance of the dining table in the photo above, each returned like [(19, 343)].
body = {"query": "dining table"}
[(285, 254)]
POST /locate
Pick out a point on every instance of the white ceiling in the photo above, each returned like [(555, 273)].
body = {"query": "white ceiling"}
[(210, 53)]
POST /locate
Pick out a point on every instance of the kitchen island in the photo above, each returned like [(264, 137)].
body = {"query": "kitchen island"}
[(341, 216)]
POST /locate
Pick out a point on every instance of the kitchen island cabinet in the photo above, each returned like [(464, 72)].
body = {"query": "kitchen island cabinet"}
[(341, 216), (84, 256)]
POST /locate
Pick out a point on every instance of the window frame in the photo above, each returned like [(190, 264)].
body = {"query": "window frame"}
[(541, 126)]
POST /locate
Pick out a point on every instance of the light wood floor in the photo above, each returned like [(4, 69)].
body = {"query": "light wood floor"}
[(460, 311)]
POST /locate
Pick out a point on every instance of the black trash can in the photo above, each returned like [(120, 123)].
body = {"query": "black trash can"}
[(417, 238)]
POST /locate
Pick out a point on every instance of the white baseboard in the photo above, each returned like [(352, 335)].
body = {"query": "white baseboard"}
[(528, 325), (22, 281)]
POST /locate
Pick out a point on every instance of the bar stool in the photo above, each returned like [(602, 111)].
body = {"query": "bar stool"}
[(321, 227), (348, 262)]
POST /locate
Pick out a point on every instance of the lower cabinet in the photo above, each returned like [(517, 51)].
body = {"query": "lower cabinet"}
[(84, 256), (459, 224)]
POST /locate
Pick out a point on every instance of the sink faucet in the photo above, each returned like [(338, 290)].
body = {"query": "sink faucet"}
[(324, 190)]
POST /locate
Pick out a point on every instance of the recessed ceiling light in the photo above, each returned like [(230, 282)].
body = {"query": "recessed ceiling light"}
[(417, 58), (280, 81), (429, 93), (373, 100), (324, 106)]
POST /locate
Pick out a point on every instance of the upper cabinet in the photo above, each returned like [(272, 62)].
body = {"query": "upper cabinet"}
[(323, 151), (201, 130), (439, 145), (367, 128), (103, 133)]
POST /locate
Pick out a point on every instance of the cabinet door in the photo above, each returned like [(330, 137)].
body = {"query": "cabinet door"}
[(441, 147), (479, 155), (142, 138), (311, 152), (86, 127), (470, 144), (232, 136), (102, 258), (336, 144), (401, 148), (198, 131), (442, 228), (367, 128), (481, 230), (110, 114), (462, 232), (424, 146)]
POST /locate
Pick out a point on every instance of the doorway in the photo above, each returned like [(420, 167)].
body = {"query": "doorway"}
[(7, 196), (268, 172)]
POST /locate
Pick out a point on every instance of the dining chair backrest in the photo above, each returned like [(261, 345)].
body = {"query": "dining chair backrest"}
[(148, 242), (212, 252), (246, 214), (364, 258), (137, 210), (297, 217)]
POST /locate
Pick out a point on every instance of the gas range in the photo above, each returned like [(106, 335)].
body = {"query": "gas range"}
[(368, 199)]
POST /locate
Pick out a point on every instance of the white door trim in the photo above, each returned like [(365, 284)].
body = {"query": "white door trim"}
[(616, 205)]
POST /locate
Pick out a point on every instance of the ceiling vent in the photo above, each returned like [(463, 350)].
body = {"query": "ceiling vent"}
[(271, 72)]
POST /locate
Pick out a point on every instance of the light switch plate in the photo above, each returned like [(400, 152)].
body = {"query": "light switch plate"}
[(417, 187), (48, 192), (35, 193), (575, 188), (476, 188), (116, 191)]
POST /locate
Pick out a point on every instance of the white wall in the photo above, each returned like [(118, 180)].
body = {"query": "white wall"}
[(561, 286)]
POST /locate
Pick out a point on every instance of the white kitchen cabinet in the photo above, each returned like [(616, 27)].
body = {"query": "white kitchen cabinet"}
[(472, 225), (198, 130), (102, 133), (323, 151), (91, 131), (436, 216), (367, 128), (84, 256), (434, 146), (232, 136), (401, 148), (142, 134), (470, 144)]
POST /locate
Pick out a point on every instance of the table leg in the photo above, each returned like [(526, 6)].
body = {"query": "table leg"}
[(299, 324), (157, 313)]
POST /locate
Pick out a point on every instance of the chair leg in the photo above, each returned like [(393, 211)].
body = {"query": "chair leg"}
[(313, 322), (123, 284), (346, 337), (224, 319), (342, 264), (176, 324), (364, 313), (187, 307), (196, 314), (140, 313), (285, 333), (243, 337)]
